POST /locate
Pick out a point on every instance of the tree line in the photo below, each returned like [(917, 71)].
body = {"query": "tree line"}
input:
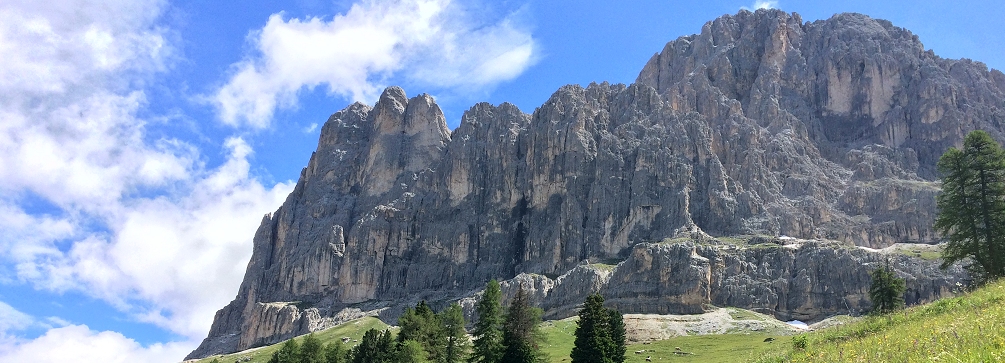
[(510, 336)]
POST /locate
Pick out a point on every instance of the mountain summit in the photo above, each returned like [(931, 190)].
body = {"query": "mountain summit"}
[(760, 125)]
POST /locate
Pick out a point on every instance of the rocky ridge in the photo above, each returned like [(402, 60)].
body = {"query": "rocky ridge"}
[(760, 124)]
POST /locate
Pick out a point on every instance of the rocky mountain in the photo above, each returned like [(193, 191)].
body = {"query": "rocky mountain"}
[(759, 125)]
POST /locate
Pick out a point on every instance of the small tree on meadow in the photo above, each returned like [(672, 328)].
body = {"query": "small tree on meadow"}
[(288, 353), (375, 347), (335, 352), (600, 334), (311, 351), (886, 290)]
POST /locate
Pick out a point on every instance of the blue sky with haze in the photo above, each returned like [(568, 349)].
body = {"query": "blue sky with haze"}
[(141, 141)]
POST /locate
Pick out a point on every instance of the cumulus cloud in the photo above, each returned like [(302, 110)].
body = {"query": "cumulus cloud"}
[(138, 221), (78, 343), (431, 42)]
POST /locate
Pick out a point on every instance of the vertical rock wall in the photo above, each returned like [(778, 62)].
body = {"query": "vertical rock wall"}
[(760, 124)]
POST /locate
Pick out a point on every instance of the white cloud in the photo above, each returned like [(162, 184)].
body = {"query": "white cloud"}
[(762, 4), (432, 42), (310, 128), (12, 319), (77, 343), (138, 221)]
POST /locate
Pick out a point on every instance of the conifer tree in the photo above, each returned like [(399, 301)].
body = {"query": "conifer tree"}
[(311, 350), (335, 352), (886, 290), (456, 350), (375, 347), (600, 334), (618, 335), (972, 206), (289, 352), (423, 326), (410, 351), (521, 336), (488, 346)]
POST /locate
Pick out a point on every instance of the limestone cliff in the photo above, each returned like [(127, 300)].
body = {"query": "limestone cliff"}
[(760, 124)]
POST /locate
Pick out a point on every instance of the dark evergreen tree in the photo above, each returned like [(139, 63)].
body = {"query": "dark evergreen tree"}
[(311, 351), (972, 206), (886, 290), (288, 353), (423, 326), (457, 342), (600, 334), (521, 336), (488, 345), (375, 347), (618, 334), (335, 352)]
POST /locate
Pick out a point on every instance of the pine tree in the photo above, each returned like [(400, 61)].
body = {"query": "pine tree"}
[(886, 290), (972, 206), (521, 336), (457, 341), (600, 334), (488, 346), (311, 350), (335, 352)]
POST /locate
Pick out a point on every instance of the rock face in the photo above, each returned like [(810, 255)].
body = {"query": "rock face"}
[(760, 124)]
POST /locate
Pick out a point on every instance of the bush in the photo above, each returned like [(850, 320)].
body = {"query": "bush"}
[(800, 342)]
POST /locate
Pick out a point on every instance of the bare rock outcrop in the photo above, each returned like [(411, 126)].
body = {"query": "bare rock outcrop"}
[(760, 124)]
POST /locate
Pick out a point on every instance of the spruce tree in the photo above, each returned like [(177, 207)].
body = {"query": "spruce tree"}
[(488, 346), (456, 350), (375, 347), (423, 326), (521, 336), (311, 350), (886, 290), (288, 353), (600, 334), (972, 206), (618, 334)]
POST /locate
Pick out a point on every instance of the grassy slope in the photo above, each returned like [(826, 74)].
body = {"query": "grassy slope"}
[(705, 348), (968, 328), (353, 329)]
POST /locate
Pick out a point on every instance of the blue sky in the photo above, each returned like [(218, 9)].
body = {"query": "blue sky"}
[(141, 141)]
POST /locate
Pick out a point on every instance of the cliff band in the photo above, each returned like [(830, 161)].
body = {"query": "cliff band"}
[(760, 125)]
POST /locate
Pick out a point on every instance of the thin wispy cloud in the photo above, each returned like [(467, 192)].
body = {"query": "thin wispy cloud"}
[(431, 42), (310, 128)]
